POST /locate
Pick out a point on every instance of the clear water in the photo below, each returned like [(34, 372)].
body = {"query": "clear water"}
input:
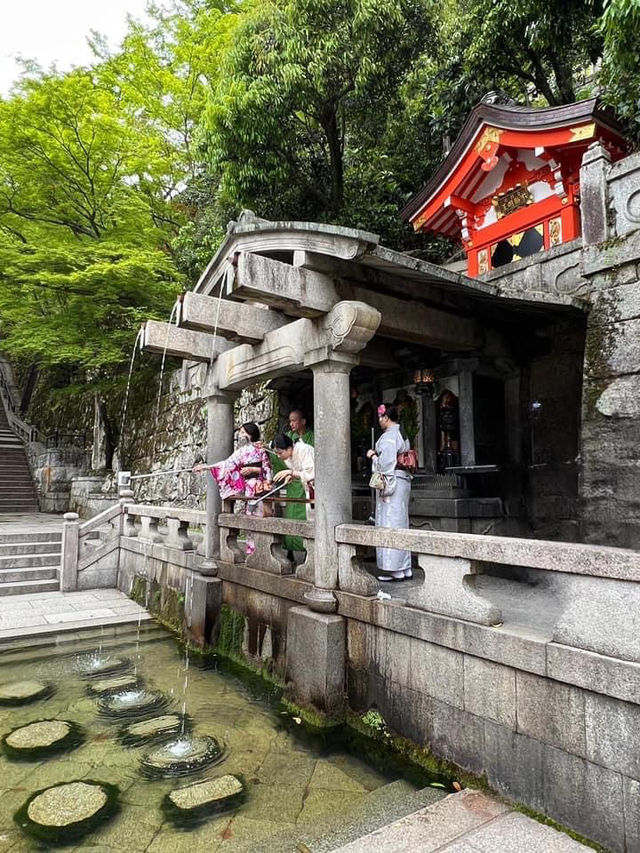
[(296, 787)]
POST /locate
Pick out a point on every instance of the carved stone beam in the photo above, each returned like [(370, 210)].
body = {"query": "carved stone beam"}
[(305, 293), (236, 321), (280, 352), (295, 291), (184, 343), (408, 320)]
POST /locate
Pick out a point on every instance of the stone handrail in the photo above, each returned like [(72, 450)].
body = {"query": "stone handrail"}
[(266, 535), (97, 521), (192, 516), (579, 583), (567, 557)]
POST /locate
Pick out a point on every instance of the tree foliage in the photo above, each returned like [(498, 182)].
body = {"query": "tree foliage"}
[(116, 181)]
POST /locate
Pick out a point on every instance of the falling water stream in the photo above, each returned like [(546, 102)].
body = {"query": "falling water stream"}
[(126, 395), (173, 316)]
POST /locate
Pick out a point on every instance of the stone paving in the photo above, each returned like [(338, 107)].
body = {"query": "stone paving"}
[(24, 616), (468, 822), (30, 522)]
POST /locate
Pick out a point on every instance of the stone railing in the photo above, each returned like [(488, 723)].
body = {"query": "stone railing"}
[(267, 535), (168, 526), (569, 588), (90, 550)]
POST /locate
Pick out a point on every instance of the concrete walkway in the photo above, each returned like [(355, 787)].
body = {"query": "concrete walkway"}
[(30, 522), (468, 822), (28, 616)]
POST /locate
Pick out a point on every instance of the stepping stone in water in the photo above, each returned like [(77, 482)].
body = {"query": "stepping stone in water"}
[(94, 666), (136, 702), (112, 685), (182, 756), (202, 799), (67, 811), (24, 692), (42, 738), (146, 730)]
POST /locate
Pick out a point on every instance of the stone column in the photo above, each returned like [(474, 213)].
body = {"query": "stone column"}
[(594, 194), (332, 419), (69, 557), (219, 446), (467, 428)]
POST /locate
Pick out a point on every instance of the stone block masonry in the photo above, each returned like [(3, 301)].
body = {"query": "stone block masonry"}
[(563, 750)]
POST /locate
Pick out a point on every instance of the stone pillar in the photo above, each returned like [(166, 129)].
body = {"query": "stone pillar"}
[(467, 428), (332, 420), (69, 560), (219, 446), (594, 194)]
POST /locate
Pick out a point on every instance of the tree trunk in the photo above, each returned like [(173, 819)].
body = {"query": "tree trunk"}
[(334, 141), (108, 432), (29, 388)]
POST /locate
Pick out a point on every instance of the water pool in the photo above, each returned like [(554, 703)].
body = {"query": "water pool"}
[(296, 789)]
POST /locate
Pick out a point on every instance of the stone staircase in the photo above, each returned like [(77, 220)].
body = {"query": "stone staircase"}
[(17, 490), (29, 562)]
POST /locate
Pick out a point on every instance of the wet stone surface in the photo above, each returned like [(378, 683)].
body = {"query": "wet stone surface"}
[(205, 793), (292, 786), (41, 734), (67, 804), (112, 685), (22, 692)]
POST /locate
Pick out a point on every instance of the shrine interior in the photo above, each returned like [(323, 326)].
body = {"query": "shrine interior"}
[(496, 428)]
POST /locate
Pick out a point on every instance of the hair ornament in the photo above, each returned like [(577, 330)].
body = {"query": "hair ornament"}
[(382, 410)]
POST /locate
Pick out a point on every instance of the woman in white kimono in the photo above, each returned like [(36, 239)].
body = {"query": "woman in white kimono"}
[(300, 461), (392, 502)]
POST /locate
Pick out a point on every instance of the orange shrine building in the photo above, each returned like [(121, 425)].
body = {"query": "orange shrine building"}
[(510, 186)]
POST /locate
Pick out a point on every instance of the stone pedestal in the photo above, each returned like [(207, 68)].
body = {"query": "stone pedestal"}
[(219, 446), (316, 658), (594, 194), (202, 604)]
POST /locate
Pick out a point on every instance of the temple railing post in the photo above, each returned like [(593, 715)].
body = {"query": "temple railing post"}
[(333, 475), (219, 446)]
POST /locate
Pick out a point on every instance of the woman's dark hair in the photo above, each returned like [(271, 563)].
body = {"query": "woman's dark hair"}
[(282, 442), (391, 412), (252, 430)]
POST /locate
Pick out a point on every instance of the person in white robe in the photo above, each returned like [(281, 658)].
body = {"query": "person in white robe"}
[(300, 461), (392, 502)]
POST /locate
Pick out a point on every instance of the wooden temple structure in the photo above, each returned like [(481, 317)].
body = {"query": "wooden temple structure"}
[(510, 186)]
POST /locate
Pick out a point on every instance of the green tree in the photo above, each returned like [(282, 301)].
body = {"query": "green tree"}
[(620, 28), (305, 87)]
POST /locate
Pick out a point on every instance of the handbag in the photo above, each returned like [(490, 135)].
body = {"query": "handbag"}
[(377, 481), (407, 460)]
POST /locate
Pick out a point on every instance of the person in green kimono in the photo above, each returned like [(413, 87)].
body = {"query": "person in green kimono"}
[(298, 431)]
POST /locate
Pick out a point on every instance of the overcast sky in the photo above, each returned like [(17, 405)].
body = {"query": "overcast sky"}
[(55, 31)]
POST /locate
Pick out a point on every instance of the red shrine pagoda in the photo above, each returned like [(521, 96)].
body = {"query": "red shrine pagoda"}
[(510, 186)]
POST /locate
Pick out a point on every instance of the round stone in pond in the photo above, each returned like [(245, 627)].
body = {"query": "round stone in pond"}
[(41, 738), (67, 811), (146, 730), (95, 666), (23, 692), (182, 756), (204, 798), (113, 685), (132, 703)]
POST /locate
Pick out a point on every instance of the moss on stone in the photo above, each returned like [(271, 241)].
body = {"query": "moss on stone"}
[(230, 632)]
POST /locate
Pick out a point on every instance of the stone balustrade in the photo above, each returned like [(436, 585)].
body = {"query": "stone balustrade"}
[(563, 589), (267, 535), (145, 522)]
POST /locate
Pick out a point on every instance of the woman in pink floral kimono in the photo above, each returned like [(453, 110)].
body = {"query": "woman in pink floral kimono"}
[(246, 472)]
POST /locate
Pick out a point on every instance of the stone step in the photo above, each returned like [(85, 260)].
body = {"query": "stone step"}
[(19, 561), (46, 546), (70, 630), (22, 538), (111, 637), (26, 587), (30, 573), (20, 508), (382, 806)]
